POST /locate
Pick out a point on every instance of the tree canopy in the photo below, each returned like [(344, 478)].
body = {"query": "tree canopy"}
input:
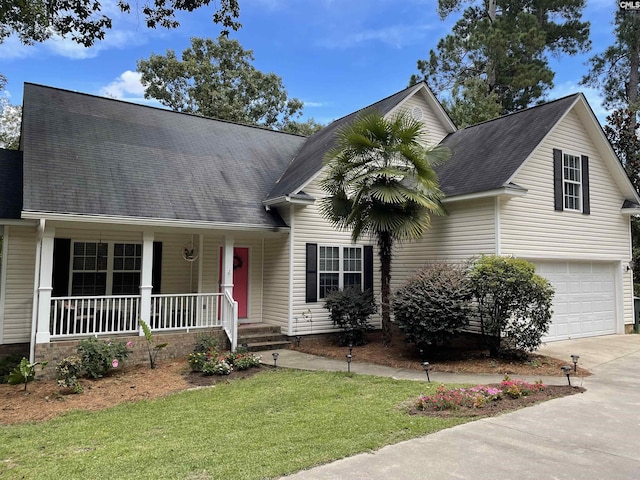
[(503, 47), (85, 21), (215, 78), (380, 183)]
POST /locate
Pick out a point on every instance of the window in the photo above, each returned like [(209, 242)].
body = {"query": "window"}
[(571, 182), (339, 267), (105, 268), (571, 179)]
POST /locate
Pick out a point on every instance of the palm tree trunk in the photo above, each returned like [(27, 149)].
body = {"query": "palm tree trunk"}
[(385, 244)]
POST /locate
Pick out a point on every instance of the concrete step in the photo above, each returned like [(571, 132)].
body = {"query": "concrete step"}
[(261, 346), (260, 337)]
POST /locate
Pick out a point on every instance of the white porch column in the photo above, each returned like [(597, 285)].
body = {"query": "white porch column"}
[(45, 285), (226, 281), (146, 279)]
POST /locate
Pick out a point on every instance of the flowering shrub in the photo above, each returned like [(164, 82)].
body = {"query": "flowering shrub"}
[(476, 397), (100, 356), (67, 372), (245, 361), (520, 388), (221, 367), (454, 398)]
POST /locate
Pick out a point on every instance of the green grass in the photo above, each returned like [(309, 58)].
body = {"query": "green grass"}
[(277, 422)]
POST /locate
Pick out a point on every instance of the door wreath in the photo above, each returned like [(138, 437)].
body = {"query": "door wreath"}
[(237, 262)]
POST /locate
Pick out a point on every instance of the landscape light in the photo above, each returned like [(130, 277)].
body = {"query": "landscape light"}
[(275, 358), (348, 363), (566, 369), (575, 362), (427, 367)]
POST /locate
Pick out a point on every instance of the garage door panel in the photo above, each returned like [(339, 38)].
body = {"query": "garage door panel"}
[(584, 302)]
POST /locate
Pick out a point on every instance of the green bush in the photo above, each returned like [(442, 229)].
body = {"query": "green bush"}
[(433, 305), (100, 356), (350, 310), (243, 361), (220, 367), (7, 364), (513, 304), (68, 370), (24, 373), (206, 342)]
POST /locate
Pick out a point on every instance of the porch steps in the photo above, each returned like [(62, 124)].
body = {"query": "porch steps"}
[(259, 337)]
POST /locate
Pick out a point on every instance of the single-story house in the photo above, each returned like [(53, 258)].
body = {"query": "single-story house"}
[(112, 211)]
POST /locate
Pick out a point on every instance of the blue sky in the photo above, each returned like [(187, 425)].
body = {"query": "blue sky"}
[(335, 55)]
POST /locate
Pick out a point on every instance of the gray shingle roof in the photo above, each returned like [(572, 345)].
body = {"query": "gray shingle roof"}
[(91, 155), (309, 159), (10, 183), (485, 156)]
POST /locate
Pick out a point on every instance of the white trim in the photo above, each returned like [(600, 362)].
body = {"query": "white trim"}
[(3, 278), (291, 259), (630, 211), (284, 199), (147, 222), (34, 305), (595, 257), (431, 100), (200, 261), (262, 283), (19, 223), (508, 191), (566, 181), (341, 271), (618, 285)]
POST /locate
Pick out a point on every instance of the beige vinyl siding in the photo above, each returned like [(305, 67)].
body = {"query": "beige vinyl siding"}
[(178, 275), (530, 227), (627, 287), (467, 230), (435, 131), (310, 227), (276, 281), (19, 278)]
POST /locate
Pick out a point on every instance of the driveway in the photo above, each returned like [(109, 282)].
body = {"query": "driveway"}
[(594, 435)]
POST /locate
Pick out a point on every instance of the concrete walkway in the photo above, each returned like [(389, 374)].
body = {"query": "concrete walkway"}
[(595, 435)]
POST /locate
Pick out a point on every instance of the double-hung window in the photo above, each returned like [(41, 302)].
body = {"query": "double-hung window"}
[(105, 268), (339, 267), (572, 182)]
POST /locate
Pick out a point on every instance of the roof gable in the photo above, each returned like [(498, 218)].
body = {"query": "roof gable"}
[(485, 156), (112, 158), (310, 159)]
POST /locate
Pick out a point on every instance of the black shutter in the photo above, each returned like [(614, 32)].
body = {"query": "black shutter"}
[(312, 273), (558, 192), (156, 270), (61, 261), (368, 268), (586, 206)]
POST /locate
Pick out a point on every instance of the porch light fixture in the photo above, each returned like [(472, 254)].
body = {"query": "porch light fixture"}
[(348, 363), (575, 362), (566, 369), (426, 367), (275, 356)]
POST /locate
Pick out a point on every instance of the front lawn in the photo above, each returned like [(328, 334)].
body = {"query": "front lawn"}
[(274, 423)]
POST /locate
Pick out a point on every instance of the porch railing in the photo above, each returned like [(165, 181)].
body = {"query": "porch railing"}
[(105, 315), (185, 311), (230, 319), (81, 316)]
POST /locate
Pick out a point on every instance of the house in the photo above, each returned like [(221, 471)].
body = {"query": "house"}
[(111, 212)]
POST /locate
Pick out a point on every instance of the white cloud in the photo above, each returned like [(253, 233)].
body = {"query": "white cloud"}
[(114, 39), (397, 36), (314, 104), (128, 87), (12, 48)]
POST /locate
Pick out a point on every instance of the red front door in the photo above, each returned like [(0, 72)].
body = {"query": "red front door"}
[(240, 279)]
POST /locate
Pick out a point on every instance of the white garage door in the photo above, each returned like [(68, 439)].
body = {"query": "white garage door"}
[(584, 302)]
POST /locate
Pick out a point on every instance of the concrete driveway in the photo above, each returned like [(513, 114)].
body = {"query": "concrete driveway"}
[(595, 435)]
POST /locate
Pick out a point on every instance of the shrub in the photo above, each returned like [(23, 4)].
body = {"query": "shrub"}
[(205, 342), (67, 372), (513, 304), (7, 364), (220, 367), (153, 348), (454, 398), (245, 361), (350, 310), (24, 373), (100, 356), (433, 305)]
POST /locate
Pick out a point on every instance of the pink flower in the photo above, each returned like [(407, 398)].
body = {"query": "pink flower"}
[(129, 344), (115, 363)]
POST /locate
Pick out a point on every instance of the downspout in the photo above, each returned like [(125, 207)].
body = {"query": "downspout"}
[(291, 249), (36, 281)]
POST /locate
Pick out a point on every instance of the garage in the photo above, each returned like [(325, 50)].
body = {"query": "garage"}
[(584, 304)]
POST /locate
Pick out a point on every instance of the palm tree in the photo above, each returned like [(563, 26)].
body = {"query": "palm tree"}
[(380, 182)]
